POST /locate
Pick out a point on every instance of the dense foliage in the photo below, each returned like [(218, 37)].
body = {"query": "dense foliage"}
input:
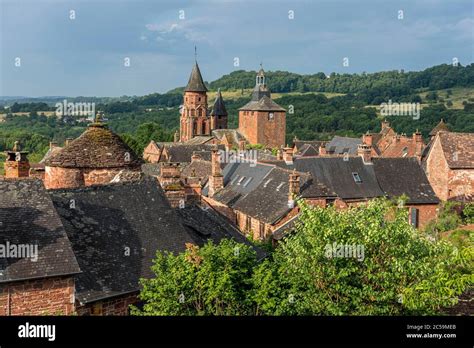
[(380, 85), (212, 280), (400, 271)]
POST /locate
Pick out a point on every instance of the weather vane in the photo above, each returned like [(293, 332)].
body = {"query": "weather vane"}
[(195, 53)]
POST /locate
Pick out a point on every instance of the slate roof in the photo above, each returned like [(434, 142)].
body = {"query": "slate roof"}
[(458, 149), (27, 216), (268, 202), (262, 191), (97, 147), (340, 145), (218, 109), (337, 175), (404, 176), (108, 221), (233, 190), (198, 168), (199, 140), (204, 224), (233, 136), (195, 83), (307, 150), (180, 152), (263, 104), (51, 151)]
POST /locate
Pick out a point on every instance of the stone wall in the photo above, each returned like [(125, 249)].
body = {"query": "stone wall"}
[(114, 306), (46, 296), (258, 129), (57, 177)]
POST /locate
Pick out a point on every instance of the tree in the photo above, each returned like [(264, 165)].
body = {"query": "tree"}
[(211, 280), (395, 269)]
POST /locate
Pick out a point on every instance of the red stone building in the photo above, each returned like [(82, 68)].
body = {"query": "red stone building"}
[(37, 276), (196, 120), (262, 121), (449, 165), (94, 158)]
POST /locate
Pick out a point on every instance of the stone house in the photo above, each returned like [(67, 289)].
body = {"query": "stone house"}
[(449, 165)]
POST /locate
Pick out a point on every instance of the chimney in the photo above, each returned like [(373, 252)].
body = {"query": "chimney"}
[(322, 149), (176, 136), (68, 141), (294, 188), (280, 154), (385, 124), (17, 164), (367, 139), (397, 137), (53, 144), (288, 154), (216, 180), (418, 141), (365, 152)]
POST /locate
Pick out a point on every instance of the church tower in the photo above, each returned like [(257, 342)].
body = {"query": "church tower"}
[(218, 113), (194, 119), (262, 121)]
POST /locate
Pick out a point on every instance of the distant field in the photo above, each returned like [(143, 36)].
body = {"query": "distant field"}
[(246, 93), (459, 94)]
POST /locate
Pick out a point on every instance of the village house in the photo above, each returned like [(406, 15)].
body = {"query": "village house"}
[(96, 157), (449, 165)]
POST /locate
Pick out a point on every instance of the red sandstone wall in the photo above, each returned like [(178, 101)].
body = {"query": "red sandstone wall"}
[(426, 213), (220, 208), (461, 184), (114, 306), (56, 177), (100, 176), (257, 129), (437, 171), (46, 296)]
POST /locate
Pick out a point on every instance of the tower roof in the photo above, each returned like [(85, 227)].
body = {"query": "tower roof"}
[(195, 83), (441, 126), (219, 107), (97, 147)]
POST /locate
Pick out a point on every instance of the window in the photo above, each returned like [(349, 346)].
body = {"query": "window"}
[(96, 309), (356, 177), (248, 223), (199, 112), (414, 217), (240, 180), (199, 99), (271, 116), (261, 231), (280, 186), (247, 182)]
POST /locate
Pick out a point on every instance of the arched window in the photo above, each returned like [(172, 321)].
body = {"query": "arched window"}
[(271, 116)]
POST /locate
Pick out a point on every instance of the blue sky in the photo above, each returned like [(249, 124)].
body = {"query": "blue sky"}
[(86, 55)]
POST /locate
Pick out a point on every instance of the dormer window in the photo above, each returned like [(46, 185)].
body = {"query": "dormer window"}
[(271, 116), (356, 177), (405, 151)]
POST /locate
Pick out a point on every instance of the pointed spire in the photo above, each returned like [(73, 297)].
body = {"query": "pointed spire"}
[(195, 83), (218, 108)]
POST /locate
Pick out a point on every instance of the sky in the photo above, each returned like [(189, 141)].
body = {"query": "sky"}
[(138, 47)]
